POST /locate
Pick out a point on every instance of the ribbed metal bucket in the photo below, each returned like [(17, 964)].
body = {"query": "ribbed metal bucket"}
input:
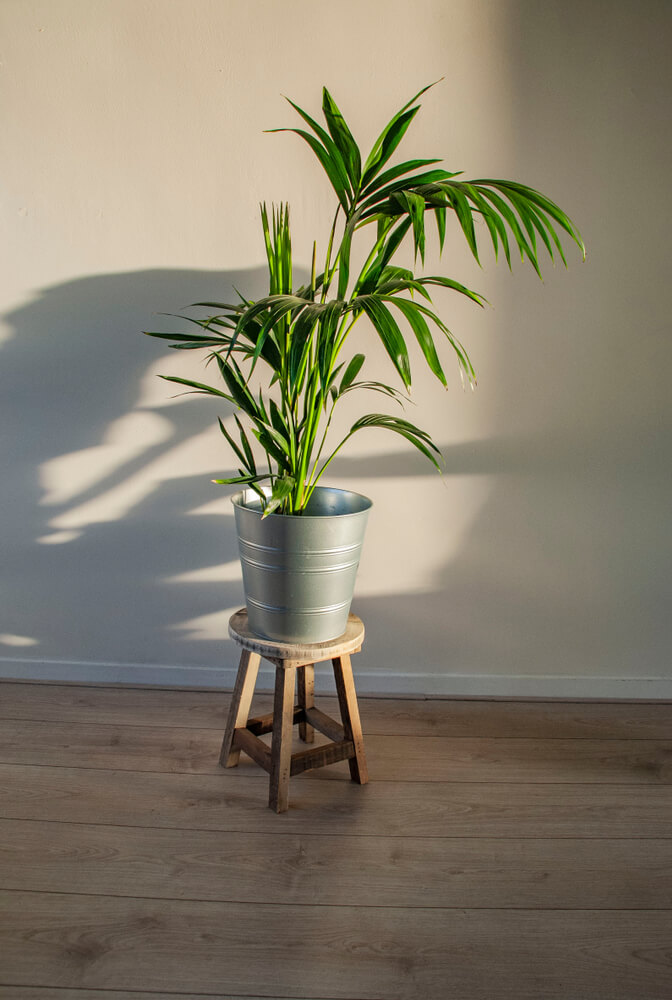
[(299, 570)]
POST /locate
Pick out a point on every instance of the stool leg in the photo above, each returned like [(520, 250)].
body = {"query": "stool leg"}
[(281, 746), (306, 678), (241, 700), (347, 699)]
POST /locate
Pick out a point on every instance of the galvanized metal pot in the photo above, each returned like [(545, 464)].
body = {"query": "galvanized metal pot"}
[(299, 570)]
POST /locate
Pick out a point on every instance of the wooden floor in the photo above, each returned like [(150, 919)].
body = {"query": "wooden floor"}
[(502, 851)]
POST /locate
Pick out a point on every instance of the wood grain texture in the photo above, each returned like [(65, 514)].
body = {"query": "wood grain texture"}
[(281, 739), (325, 724), (255, 748), (505, 850), (322, 756), (177, 709), (312, 652), (239, 709), (342, 952), (406, 809), (352, 726), (338, 870), (305, 677), (56, 993), (391, 758)]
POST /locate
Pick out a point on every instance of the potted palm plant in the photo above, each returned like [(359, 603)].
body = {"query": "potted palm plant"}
[(286, 361)]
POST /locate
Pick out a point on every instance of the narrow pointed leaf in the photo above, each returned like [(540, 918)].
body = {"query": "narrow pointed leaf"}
[(420, 439), (241, 480), (394, 173), (390, 335), (506, 213), (282, 488), (266, 439), (414, 205), (423, 336), (377, 201), (246, 445), (466, 366), (343, 138), (232, 444), (454, 285), (208, 390), (379, 154), (389, 248), (187, 339), (351, 372), (387, 143), (237, 387), (332, 148), (333, 168), (440, 213), (387, 390)]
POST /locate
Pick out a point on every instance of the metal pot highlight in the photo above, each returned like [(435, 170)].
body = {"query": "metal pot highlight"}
[(299, 570)]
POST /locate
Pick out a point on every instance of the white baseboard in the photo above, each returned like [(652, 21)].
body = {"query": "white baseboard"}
[(390, 683)]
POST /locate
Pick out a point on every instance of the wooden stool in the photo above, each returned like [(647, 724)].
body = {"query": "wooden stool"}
[(290, 659)]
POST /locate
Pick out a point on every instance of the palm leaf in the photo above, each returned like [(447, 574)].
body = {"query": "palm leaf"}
[(250, 466), (331, 162), (465, 364), (414, 205), (198, 387), (389, 333), (420, 439), (394, 173), (242, 480), (390, 137), (343, 139), (282, 489), (351, 372), (423, 336)]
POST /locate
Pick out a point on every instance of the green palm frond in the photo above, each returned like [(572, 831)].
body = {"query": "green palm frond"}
[(299, 336)]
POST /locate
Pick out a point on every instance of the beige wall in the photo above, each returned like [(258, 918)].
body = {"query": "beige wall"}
[(133, 161)]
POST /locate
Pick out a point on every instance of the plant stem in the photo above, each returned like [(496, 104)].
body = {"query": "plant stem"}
[(322, 442), (328, 461), (326, 281)]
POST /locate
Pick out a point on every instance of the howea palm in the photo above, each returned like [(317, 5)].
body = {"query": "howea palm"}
[(301, 334)]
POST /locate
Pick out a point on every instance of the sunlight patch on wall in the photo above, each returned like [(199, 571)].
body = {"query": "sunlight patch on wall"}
[(229, 572), (214, 626), (107, 481), (68, 476), (221, 507), (155, 393), (71, 476), (58, 538), (7, 639)]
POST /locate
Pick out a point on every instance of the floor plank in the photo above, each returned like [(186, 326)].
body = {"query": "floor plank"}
[(391, 758), (340, 952), (337, 870), (503, 849), (102, 705), (57, 993), (432, 809)]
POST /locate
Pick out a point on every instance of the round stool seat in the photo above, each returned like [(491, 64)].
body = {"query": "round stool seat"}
[(350, 642)]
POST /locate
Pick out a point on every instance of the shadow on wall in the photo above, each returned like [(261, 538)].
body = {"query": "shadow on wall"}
[(114, 539), (117, 548), (100, 471)]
